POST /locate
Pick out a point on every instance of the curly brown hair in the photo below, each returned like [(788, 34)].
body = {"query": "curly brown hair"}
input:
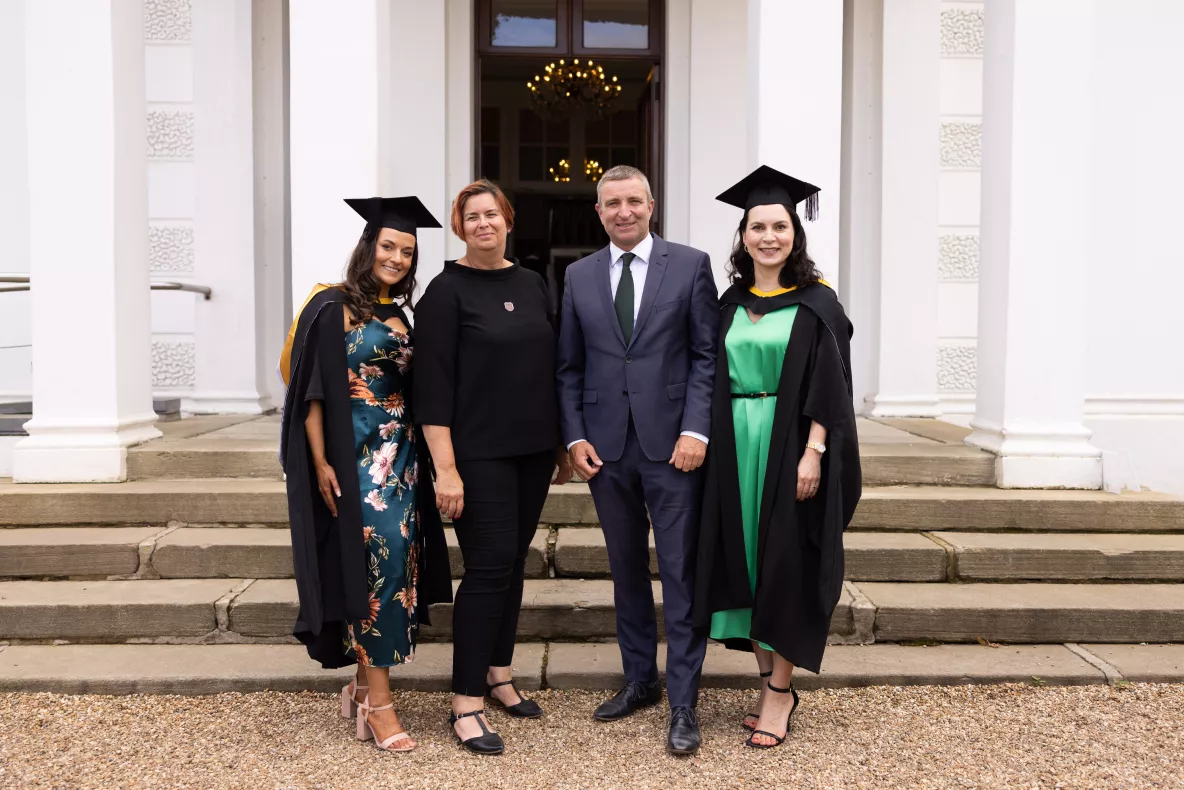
[(361, 287)]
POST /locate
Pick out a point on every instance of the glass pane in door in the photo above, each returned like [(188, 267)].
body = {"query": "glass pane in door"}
[(524, 23), (616, 24)]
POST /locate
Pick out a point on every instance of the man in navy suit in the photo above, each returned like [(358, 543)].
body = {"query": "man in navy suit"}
[(636, 366)]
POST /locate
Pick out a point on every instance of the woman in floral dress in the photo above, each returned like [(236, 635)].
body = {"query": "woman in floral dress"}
[(368, 546)]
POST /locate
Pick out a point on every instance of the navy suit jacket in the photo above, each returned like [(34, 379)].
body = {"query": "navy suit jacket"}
[(664, 375)]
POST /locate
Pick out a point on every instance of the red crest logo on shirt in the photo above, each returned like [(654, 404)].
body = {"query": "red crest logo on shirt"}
[(509, 307)]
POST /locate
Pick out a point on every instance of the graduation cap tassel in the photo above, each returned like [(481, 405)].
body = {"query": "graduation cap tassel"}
[(811, 212)]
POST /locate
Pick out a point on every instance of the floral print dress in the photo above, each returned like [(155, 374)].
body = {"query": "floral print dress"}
[(384, 442)]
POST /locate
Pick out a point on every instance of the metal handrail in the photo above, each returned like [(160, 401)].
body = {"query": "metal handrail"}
[(22, 284), (204, 290)]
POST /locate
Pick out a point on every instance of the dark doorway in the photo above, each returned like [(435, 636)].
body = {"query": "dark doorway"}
[(547, 151)]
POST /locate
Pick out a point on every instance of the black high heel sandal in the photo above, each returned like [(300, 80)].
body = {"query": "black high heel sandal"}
[(488, 742), (526, 709), (779, 740), (757, 716)]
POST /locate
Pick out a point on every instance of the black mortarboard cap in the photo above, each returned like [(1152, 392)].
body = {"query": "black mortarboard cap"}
[(766, 186), (398, 213)]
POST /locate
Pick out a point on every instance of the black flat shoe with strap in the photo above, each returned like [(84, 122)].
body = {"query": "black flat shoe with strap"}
[(780, 739), (488, 742), (524, 709), (756, 716)]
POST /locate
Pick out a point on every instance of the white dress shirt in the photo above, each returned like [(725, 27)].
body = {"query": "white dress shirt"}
[(638, 267)]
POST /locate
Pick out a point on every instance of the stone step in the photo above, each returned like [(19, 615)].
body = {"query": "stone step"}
[(1026, 612), (883, 464), (264, 553), (73, 551), (551, 609), (115, 611), (1065, 557), (926, 464), (187, 553), (211, 669), (870, 556), (568, 609), (111, 611), (893, 508), (248, 459)]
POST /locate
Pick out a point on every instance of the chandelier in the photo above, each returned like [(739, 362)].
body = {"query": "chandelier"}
[(561, 173), (563, 86)]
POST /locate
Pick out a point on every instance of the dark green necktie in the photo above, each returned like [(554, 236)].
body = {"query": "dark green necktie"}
[(623, 303)]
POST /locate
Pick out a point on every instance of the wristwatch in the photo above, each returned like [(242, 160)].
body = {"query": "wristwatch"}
[(819, 446)]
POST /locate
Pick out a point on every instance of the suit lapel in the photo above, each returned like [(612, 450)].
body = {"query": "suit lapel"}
[(604, 285), (653, 281)]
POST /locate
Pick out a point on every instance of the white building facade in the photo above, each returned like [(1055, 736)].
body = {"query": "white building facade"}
[(1000, 194)]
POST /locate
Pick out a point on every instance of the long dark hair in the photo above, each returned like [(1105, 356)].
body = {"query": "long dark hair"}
[(799, 269), (361, 287)]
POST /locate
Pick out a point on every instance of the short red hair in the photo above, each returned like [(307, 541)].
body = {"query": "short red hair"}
[(480, 187)]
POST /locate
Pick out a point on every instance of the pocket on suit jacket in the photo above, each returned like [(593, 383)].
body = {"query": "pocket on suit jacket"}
[(677, 391), (589, 396), (668, 305)]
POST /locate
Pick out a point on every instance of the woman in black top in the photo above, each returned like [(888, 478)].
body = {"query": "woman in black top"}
[(485, 395)]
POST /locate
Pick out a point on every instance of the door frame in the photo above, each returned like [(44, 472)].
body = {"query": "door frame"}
[(566, 27)]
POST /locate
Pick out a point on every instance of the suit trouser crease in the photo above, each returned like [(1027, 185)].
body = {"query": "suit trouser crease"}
[(623, 491), (504, 498)]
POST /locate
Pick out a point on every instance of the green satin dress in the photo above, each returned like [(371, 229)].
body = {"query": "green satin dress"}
[(755, 356)]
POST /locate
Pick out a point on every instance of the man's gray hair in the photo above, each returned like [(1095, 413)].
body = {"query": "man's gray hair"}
[(624, 173)]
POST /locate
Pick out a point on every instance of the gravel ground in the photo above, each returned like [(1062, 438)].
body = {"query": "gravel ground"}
[(984, 736)]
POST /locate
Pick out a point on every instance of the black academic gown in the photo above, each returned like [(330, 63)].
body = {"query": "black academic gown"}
[(800, 544), (328, 554)]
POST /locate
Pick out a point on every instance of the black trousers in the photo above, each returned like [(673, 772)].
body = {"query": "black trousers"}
[(503, 501)]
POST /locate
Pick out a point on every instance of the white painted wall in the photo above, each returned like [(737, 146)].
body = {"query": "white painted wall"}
[(718, 156), (1135, 369), (16, 354), (334, 115)]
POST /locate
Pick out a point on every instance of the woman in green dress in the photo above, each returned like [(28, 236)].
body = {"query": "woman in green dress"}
[(783, 474)]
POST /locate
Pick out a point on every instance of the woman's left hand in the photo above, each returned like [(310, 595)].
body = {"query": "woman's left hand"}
[(563, 468), (809, 474)]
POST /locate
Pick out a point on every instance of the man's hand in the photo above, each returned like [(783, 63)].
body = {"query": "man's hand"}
[(689, 453), (585, 460)]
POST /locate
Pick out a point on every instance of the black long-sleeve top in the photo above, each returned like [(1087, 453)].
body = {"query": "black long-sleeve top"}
[(485, 361)]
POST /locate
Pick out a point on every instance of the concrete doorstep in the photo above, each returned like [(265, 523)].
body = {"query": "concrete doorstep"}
[(209, 669)]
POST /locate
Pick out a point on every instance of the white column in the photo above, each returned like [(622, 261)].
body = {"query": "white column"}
[(794, 107), (1035, 242), (334, 151), (92, 388), (273, 227), (859, 218), (716, 66), (229, 353), (414, 119), (461, 32), (909, 162), (15, 330)]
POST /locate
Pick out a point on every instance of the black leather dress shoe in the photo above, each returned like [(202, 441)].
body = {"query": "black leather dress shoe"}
[(629, 700), (523, 709), (684, 731)]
